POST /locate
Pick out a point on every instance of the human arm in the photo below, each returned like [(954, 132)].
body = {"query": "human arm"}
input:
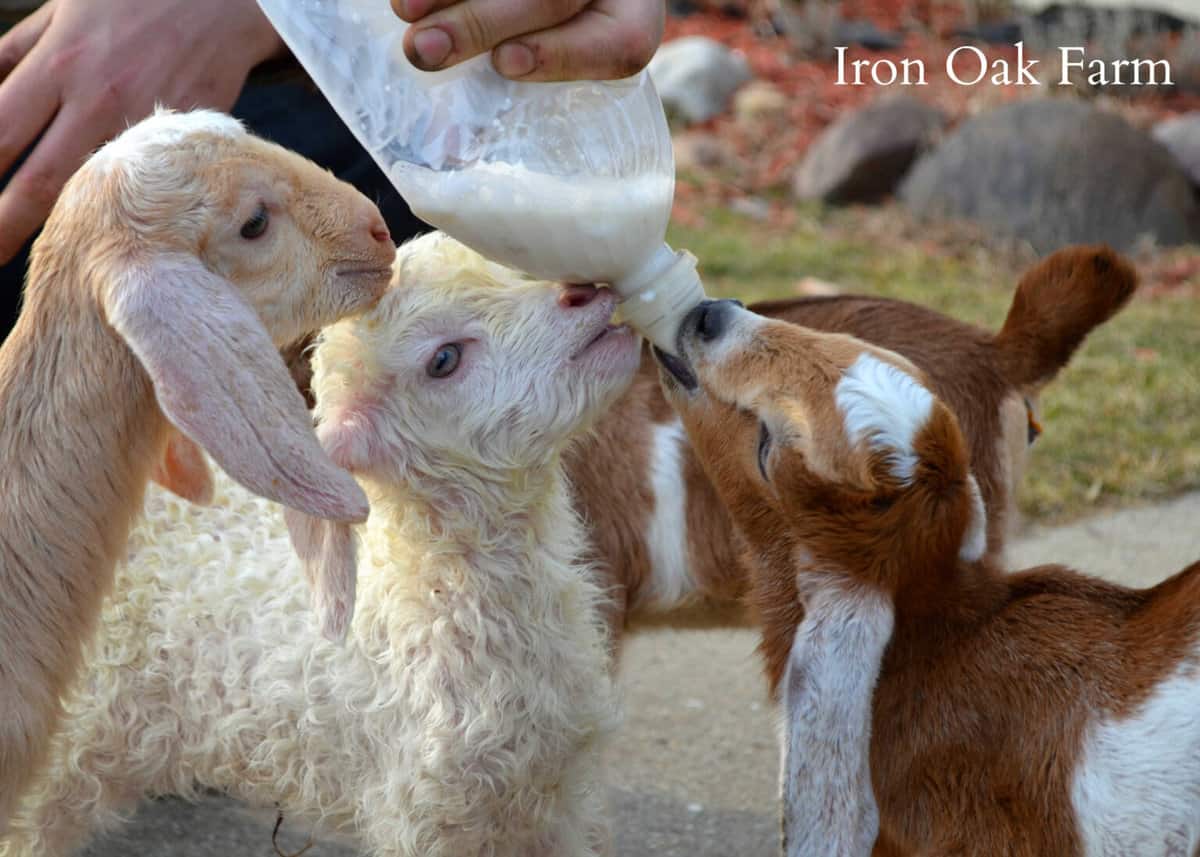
[(76, 72)]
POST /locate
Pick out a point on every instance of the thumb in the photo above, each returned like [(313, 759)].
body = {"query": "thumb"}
[(606, 41)]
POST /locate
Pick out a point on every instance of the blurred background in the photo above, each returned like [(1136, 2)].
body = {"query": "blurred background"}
[(792, 184)]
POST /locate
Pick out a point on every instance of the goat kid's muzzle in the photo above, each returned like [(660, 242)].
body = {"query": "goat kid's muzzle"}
[(707, 322)]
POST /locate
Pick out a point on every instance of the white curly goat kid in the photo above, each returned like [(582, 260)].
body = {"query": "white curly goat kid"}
[(466, 712)]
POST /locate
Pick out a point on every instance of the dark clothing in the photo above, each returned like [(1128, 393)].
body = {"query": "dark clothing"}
[(291, 112)]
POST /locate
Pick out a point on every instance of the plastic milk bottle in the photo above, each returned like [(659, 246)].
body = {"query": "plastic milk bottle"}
[(566, 181)]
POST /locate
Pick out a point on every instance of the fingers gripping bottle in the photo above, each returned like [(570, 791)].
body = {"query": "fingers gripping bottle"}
[(566, 181)]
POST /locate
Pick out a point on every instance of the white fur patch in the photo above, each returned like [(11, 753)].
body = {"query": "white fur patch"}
[(828, 804), (1137, 782), (740, 331), (974, 543), (884, 407), (666, 535), (166, 128)]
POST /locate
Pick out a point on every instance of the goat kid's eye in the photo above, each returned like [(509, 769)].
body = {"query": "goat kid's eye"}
[(764, 449), (256, 225), (445, 361)]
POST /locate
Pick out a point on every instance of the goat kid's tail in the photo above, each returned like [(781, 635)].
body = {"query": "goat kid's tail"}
[(1057, 304)]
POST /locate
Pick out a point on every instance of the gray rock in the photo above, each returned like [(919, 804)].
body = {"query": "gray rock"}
[(760, 101), (863, 155), (1002, 32), (751, 207), (1186, 64), (699, 150), (696, 77), (1181, 136), (1055, 172), (1185, 10), (866, 34)]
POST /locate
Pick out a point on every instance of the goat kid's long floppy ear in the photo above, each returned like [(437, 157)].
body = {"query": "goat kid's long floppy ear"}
[(326, 551), (184, 471), (219, 378)]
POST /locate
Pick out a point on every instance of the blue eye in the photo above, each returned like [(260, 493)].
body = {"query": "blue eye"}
[(445, 361)]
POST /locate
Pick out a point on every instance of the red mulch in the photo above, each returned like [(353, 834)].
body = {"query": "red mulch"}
[(1170, 273), (765, 150)]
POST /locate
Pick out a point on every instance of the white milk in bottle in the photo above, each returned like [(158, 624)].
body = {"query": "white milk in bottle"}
[(566, 181)]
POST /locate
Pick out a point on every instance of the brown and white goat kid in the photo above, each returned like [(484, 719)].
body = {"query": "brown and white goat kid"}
[(175, 263), (1039, 713), (662, 539)]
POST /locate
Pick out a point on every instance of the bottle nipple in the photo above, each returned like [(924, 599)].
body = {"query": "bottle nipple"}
[(656, 297)]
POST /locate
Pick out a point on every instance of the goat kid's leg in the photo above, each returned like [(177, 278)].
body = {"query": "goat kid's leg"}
[(829, 803), (29, 712), (61, 813), (581, 831), (93, 779)]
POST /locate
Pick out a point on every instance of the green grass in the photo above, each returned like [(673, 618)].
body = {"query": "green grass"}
[(1122, 423)]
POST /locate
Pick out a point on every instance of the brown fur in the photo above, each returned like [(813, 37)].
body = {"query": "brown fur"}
[(1056, 305), (989, 681), (982, 762), (80, 429), (977, 373), (606, 462)]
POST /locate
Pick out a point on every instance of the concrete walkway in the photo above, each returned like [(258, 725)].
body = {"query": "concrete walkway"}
[(694, 769), (1136, 547)]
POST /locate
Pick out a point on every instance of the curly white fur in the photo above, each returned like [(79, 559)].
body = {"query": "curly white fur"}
[(464, 714)]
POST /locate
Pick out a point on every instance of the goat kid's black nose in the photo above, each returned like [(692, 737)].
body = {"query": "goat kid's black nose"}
[(711, 318)]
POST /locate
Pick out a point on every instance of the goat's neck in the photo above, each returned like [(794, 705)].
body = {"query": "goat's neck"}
[(954, 593), (514, 521), (828, 687), (81, 429)]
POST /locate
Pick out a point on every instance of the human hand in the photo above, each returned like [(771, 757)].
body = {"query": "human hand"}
[(535, 39), (79, 71)]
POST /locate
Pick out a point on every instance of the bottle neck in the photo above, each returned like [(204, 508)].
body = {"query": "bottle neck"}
[(656, 296)]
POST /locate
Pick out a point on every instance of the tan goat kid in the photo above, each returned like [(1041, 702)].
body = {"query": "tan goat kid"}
[(177, 260)]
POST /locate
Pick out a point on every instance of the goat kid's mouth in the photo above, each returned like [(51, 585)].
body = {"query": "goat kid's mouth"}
[(677, 365), (605, 334), (371, 278), (678, 369), (601, 333)]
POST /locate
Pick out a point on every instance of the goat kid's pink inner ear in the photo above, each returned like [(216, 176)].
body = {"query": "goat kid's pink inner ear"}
[(577, 295), (183, 470), (351, 439)]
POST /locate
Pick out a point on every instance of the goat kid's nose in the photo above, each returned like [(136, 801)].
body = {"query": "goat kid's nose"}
[(577, 295), (378, 228), (711, 318)]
